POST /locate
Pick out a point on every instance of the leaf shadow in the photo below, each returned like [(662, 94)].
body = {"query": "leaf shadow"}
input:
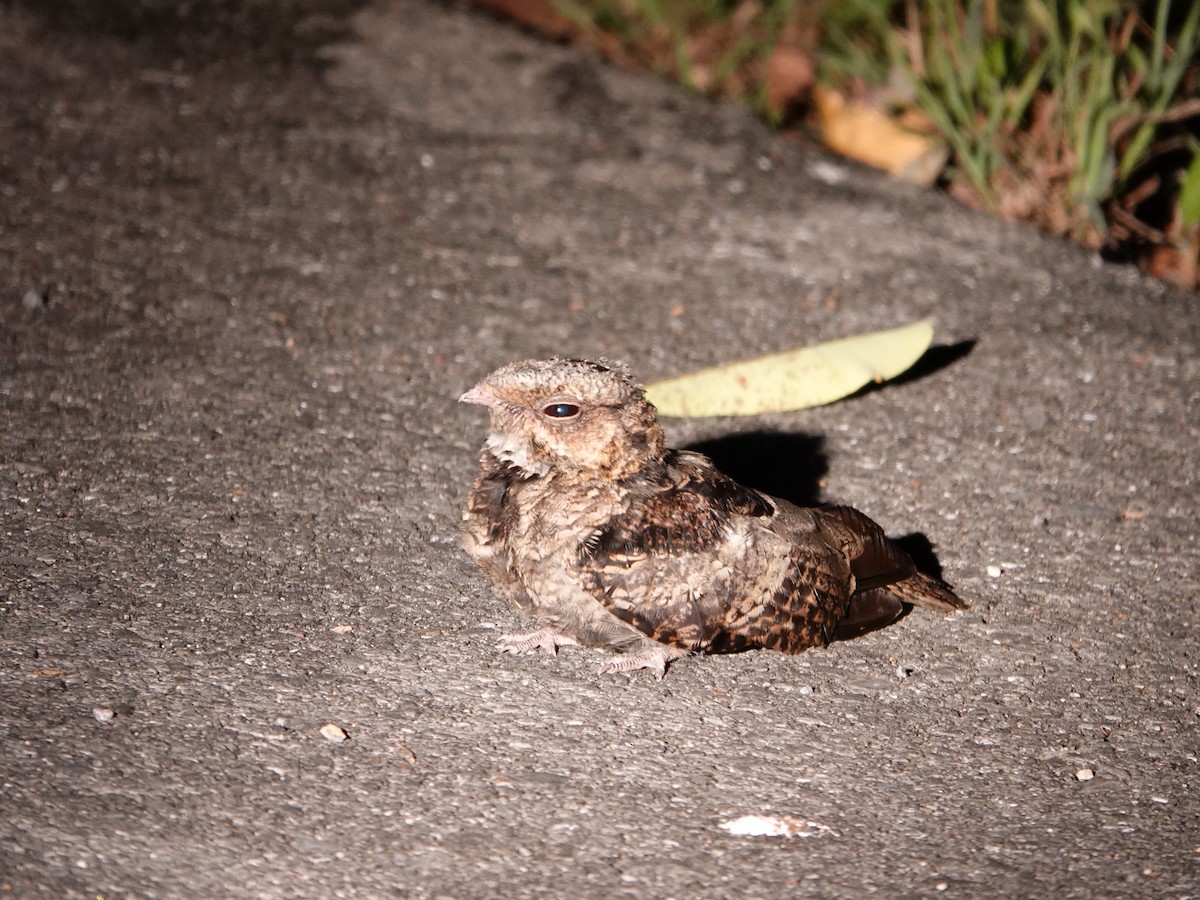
[(936, 358)]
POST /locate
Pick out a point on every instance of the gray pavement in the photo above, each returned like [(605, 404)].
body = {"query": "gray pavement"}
[(245, 271)]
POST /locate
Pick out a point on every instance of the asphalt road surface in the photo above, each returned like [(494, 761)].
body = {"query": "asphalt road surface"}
[(251, 253)]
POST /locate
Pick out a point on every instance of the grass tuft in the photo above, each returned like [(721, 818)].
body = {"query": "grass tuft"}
[(1082, 116)]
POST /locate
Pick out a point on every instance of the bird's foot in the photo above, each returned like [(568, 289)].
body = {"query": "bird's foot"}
[(656, 659), (545, 639)]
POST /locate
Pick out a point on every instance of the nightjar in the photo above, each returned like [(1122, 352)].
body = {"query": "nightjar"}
[(582, 516)]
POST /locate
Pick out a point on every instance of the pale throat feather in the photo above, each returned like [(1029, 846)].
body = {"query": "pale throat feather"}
[(516, 451)]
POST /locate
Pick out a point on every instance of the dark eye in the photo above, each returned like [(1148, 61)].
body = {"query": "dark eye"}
[(561, 411)]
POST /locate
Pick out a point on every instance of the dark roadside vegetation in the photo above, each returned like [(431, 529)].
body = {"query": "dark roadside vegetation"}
[(1081, 117)]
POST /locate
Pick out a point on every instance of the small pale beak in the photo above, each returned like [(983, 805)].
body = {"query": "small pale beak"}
[(482, 394)]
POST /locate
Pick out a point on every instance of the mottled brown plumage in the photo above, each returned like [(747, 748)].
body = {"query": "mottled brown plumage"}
[(583, 517)]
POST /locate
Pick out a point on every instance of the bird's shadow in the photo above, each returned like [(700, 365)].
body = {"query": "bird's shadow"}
[(791, 465)]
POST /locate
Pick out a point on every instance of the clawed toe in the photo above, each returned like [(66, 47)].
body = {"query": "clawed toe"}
[(655, 659), (545, 639)]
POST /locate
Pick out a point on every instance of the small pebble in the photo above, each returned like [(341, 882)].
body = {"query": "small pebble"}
[(994, 571), (904, 671), (333, 733), (33, 299), (103, 714), (828, 172), (774, 826), (806, 689), (1084, 774)]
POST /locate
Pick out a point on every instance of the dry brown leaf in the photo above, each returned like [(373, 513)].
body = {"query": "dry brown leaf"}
[(538, 15), (867, 134), (789, 78)]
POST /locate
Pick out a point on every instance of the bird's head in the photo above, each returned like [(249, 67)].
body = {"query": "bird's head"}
[(573, 416)]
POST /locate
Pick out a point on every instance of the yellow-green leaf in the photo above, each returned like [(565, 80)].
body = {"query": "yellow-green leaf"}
[(795, 379)]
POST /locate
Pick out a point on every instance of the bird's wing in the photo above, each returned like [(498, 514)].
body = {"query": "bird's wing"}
[(696, 562), (879, 563), (875, 560)]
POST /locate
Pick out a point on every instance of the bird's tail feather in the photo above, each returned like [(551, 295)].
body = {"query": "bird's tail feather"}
[(927, 592), (881, 567)]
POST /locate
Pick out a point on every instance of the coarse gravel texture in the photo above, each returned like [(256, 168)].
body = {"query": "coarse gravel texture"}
[(248, 260)]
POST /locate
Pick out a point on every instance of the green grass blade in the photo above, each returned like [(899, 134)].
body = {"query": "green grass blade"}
[(1189, 191)]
